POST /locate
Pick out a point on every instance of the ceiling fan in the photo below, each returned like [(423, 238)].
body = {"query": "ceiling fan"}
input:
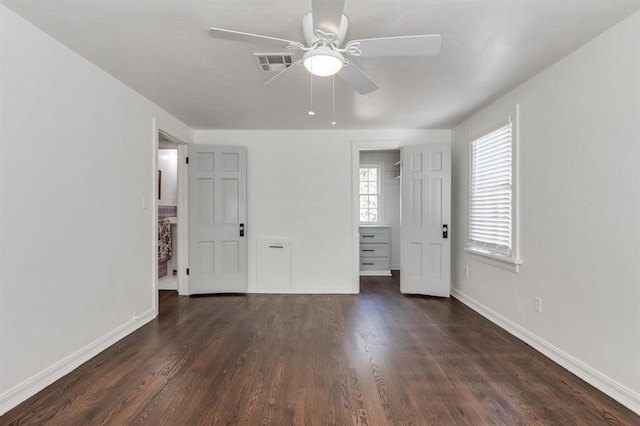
[(324, 30)]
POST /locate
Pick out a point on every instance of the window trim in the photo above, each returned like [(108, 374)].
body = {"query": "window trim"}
[(380, 166), (482, 253)]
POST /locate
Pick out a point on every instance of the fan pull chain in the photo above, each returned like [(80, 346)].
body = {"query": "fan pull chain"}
[(333, 100), (311, 111)]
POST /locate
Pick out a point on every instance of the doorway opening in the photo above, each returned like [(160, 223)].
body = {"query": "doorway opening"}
[(167, 213), (376, 209), (379, 212), (170, 224)]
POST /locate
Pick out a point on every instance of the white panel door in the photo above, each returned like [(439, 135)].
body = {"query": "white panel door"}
[(217, 219), (426, 212)]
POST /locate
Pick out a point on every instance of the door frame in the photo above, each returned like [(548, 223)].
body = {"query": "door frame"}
[(182, 247), (356, 147)]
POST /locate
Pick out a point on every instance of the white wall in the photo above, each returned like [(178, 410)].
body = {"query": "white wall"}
[(168, 165), (76, 158), (580, 212), (299, 188), (390, 196)]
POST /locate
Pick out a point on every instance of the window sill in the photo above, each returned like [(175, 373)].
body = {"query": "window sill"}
[(493, 259)]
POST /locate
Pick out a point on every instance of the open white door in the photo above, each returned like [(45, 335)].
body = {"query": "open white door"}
[(217, 219), (426, 216)]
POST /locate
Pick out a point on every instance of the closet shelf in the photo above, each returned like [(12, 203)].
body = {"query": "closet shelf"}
[(398, 164)]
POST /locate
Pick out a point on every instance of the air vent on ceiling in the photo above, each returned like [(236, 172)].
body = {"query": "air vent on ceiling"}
[(273, 62)]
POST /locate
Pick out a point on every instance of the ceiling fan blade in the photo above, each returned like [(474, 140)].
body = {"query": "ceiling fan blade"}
[(418, 45), (356, 78), (327, 15), (290, 67), (253, 38)]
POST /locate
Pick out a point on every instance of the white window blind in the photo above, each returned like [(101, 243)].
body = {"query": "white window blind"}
[(491, 192)]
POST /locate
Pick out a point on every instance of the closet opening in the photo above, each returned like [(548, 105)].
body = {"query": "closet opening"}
[(376, 202), (379, 212)]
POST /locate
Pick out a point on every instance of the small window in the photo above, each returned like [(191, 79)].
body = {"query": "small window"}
[(370, 194), (492, 194)]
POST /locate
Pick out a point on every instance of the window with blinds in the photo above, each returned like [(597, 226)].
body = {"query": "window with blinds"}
[(491, 192)]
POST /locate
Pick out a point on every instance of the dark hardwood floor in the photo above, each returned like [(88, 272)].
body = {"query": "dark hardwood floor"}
[(378, 358)]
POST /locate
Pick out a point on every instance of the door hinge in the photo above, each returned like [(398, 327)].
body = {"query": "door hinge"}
[(187, 158), (187, 271)]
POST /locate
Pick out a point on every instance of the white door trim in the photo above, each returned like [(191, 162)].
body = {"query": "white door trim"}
[(183, 219), (356, 147)]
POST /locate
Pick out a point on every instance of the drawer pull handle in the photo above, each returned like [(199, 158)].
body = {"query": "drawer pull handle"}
[(368, 236), (368, 263), (368, 250), (276, 247)]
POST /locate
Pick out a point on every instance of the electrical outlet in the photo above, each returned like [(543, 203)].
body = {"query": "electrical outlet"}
[(537, 304), (466, 272)]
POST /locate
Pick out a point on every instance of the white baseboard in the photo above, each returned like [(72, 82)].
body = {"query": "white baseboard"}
[(302, 287), (306, 290), (169, 282), (385, 273), (35, 384), (615, 390)]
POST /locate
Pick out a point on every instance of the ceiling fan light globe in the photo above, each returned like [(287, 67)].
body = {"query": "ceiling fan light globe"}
[(323, 61)]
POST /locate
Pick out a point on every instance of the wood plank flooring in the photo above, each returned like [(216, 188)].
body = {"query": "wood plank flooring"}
[(378, 358)]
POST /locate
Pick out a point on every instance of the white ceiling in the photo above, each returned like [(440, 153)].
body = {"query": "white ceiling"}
[(161, 49)]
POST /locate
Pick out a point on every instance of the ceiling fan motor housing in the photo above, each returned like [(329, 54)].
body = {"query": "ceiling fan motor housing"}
[(323, 61), (311, 37)]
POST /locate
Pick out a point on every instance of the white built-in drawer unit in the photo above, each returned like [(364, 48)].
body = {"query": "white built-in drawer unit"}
[(375, 251)]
